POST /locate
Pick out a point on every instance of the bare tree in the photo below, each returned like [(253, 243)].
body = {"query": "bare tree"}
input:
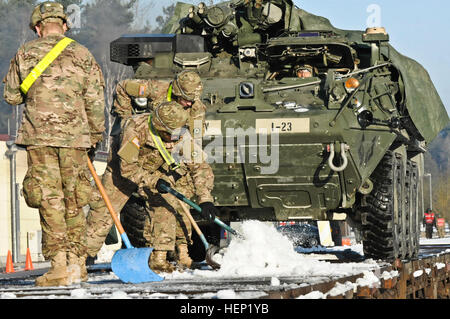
[(113, 74), (142, 10)]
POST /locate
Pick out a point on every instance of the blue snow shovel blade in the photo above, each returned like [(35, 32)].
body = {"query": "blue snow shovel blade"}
[(131, 266)]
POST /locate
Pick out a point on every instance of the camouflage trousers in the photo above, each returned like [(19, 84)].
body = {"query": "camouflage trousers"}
[(441, 232), (99, 220), (168, 225), (58, 184), (164, 221)]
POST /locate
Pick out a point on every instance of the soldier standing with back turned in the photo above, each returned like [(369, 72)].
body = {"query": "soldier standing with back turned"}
[(63, 89)]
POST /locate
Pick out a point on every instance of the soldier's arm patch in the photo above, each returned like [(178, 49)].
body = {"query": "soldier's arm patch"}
[(136, 89), (136, 142), (129, 152)]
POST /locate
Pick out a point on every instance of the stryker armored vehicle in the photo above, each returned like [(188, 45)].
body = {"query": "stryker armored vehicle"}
[(304, 121)]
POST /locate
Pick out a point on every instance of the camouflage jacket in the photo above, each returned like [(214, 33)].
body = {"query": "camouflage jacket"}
[(129, 88), (65, 106), (147, 166), (157, 92)]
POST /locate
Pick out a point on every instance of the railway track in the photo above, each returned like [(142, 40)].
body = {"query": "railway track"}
[(428, 277)]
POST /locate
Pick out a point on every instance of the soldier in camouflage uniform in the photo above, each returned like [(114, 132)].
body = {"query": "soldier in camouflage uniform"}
[(63, 118), (169, 228), (186, 88), (134, 96)]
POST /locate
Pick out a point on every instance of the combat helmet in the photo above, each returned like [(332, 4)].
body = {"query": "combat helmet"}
[(46, 11), (169, 117), (188, 85)]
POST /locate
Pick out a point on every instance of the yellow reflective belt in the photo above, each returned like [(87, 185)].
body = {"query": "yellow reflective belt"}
[(169, 93), (44, 64), (161, 148)]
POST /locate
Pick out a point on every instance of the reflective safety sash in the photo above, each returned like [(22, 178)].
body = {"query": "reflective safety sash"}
[(160, 146), (429, 218), (44, 64), (169, 93)]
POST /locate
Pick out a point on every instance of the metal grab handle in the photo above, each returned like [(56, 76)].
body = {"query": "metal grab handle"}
[(344, 149)]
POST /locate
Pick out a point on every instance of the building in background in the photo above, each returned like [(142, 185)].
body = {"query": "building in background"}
[(27, 225)]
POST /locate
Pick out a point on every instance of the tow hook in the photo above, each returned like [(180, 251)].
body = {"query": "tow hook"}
[(331, 150)]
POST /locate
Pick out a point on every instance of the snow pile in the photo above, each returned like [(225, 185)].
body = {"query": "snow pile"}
[(226, 294), (7, 295), (440, 265), (105, 255), (341, 289), (313, 295), (79, 294), (369, 280), (119, 294), (389, 275), (263, 251), (266, 252), (275, 281)]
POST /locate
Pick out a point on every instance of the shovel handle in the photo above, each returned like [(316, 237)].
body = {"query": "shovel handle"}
[(195, 225), (199, 209), (109, 205)]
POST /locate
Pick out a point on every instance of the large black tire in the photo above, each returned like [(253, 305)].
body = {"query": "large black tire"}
[(384, 221), (133, 218)]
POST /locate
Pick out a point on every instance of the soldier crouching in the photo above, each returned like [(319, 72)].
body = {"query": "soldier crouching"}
[(145, 162)]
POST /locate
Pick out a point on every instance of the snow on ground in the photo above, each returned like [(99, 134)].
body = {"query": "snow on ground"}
[(263, 253), (435, 241)]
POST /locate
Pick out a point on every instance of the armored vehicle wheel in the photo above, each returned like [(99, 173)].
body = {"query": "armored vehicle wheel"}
[(133, 218), (384, 216)]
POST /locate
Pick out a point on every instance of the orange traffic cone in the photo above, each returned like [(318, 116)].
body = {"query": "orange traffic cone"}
[(28, 262), (9, 263), (346, 242)]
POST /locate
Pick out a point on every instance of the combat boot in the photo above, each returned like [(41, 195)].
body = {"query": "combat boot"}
[(57, 275), (158, 262), (184, 260), (76, 268)]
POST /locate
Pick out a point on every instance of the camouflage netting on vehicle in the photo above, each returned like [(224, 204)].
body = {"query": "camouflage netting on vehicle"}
[(422, 100)]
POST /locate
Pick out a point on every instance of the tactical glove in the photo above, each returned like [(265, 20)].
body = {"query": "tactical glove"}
[(176, 176), (160, 184), (93, 150), (96, 139), (209, 211)]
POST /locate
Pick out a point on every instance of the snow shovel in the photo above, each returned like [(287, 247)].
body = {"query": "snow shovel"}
[(210, 249), (130, 264), (199, 209)]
